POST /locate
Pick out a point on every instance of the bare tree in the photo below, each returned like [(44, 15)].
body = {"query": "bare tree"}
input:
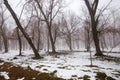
[(49, 12), (103, 23), (92, 7), (38, 26), (69, 28), (87, 34), (56, 31), (21, 29)]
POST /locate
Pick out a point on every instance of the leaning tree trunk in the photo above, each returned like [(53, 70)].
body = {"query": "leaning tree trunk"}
[(22, 30)]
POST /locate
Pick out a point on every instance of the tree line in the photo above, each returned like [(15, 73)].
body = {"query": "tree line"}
[(47, 26)]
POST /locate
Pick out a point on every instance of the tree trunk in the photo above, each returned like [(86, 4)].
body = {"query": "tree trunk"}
[(70, 42), (0, 44), (5, 40), (48, 42), (20, 42), (38, 42), (88, 41), (22, 30), (51, 40), (5, 43), (96, 39)]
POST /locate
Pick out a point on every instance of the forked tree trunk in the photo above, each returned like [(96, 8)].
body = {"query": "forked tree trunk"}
[(22, 30), (92, 8)]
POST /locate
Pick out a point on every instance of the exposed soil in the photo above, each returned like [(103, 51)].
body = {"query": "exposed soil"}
[(16, 72)]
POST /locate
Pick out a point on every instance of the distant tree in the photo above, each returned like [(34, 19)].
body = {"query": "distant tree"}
[(49, 12), (87, 29), (17, 32), (69, 28), (56, 31), (87, 34), (103, 23), (38, 24), (3, 28)]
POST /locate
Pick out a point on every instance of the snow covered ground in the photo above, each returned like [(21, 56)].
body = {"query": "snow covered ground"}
[(72, 65)]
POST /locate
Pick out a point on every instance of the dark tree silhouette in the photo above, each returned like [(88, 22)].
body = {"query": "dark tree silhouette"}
[(92, 8)]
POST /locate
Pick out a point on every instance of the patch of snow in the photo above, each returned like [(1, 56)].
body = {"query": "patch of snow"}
[(5, 75), (2, 63), (66, 66)]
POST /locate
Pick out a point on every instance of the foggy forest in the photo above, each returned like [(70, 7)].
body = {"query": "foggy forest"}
[(52, 40)]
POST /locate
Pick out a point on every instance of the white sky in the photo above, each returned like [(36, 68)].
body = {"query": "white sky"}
[(74, 5)]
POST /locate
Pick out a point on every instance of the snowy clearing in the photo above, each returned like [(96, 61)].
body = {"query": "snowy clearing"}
[(69, 66)]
